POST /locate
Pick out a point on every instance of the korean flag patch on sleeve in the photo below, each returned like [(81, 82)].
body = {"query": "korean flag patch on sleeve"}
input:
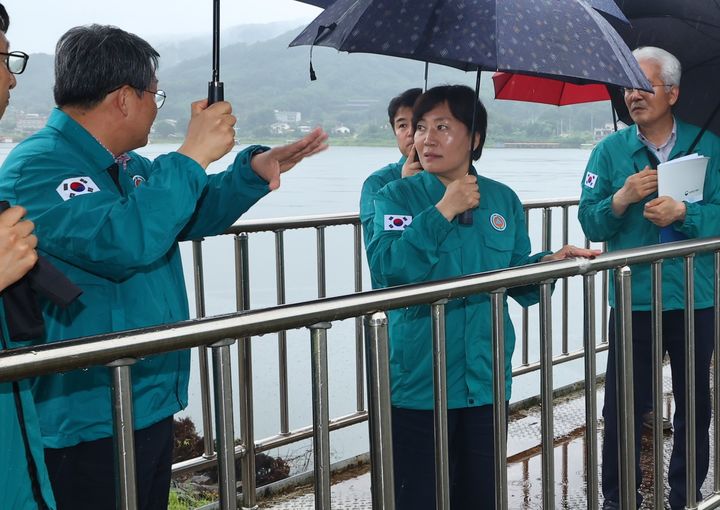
[(397, 222), (590, 180), (74, 186)]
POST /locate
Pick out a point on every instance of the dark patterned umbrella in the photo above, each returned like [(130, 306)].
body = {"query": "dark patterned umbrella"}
[(690, 30), (608, 7), (553, 37)]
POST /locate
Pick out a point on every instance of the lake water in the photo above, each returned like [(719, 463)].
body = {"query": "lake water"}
[(330, 183)]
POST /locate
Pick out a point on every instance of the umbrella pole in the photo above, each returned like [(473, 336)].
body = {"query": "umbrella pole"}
[(215, 87), (427, 65), (704, 128), (466, 217), (614, 116)]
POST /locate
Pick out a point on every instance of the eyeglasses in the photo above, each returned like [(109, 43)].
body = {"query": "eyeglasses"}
[(160, 95), (15, 61), (629, 91)]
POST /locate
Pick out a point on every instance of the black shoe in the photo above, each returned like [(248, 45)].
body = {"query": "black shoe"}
[(610, 505), (647, 420)]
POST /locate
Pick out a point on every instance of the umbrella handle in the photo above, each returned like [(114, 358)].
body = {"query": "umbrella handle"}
[(466, 218), (215, 92)]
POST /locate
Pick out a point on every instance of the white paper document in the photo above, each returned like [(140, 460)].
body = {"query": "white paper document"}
[(683, 178)]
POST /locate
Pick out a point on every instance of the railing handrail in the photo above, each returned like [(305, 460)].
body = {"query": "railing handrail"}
[(352, 218), (101, 349)]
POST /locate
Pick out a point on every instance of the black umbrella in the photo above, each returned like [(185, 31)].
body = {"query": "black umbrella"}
[(559, 38), (690, 30), (565, 38), (604, 6), (215, 86)]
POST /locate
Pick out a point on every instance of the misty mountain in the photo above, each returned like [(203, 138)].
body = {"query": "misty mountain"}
[(175, 50)]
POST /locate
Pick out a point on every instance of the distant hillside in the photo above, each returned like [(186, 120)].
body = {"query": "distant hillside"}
[(177, 50), (351, 90)]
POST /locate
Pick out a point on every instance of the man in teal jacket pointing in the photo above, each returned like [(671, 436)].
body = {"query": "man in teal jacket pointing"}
[(111, 220)]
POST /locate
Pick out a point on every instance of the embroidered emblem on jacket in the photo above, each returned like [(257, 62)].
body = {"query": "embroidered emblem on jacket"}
[(138, 180), (397, 222), (498, 222), (590, 180), (75, 186)]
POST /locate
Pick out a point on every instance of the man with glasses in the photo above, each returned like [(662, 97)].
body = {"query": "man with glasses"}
[(111, 220), (620, 206), (24, 480)]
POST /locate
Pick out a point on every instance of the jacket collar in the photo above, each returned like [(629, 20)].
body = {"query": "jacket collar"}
[(97, 155), (685, 136)]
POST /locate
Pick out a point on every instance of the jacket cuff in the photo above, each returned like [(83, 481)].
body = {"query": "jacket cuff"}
[(242, 161), (690, 226)]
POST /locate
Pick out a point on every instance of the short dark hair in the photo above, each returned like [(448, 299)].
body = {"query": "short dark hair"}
[(461, 100), (406, 99), (93, 60), (4, 19)]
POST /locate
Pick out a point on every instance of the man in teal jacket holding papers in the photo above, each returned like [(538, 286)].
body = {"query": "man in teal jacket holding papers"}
[(111, 220), (619, 205)]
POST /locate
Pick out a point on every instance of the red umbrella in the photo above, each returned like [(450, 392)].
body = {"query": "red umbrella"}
[(538, 89)]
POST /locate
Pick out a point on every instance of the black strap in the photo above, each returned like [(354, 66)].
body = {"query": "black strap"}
[(30, 460), (114, 171), (654, 160), (323, 30)]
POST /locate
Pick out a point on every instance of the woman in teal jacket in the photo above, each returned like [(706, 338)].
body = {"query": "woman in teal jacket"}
[(417, 238)]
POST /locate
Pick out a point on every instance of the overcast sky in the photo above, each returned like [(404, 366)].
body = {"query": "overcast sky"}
[(36, 25)]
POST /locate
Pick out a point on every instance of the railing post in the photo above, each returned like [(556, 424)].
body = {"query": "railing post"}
[(546, 228), (123, 434), (657, 384), (245, 377), (442, 451), (222, 383), (546, 396), (525, 356), (359, 368), (605, 301), (321, 415), (589, 345), (716, 377), (565, 284), (208, 439), (282, 335), (321, 271), (690, 418), (625, 388), (380, 415), (499, 410)]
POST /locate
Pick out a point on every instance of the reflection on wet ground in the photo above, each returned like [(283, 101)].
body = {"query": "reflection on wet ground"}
[(524, 461)]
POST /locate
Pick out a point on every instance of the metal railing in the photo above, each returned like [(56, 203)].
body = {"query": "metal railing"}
[(217, 333), (242, 233)]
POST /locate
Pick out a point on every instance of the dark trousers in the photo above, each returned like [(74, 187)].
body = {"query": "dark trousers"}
[(674, 346), (472, 474), (83, 476)]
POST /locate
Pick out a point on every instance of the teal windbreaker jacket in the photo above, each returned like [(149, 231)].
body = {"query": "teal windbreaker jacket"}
[(121, 247), (374, 183), (612, 161), (20, 441), (412, 242)]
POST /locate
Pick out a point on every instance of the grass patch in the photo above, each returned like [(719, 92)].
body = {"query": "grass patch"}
[(181, 499)]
